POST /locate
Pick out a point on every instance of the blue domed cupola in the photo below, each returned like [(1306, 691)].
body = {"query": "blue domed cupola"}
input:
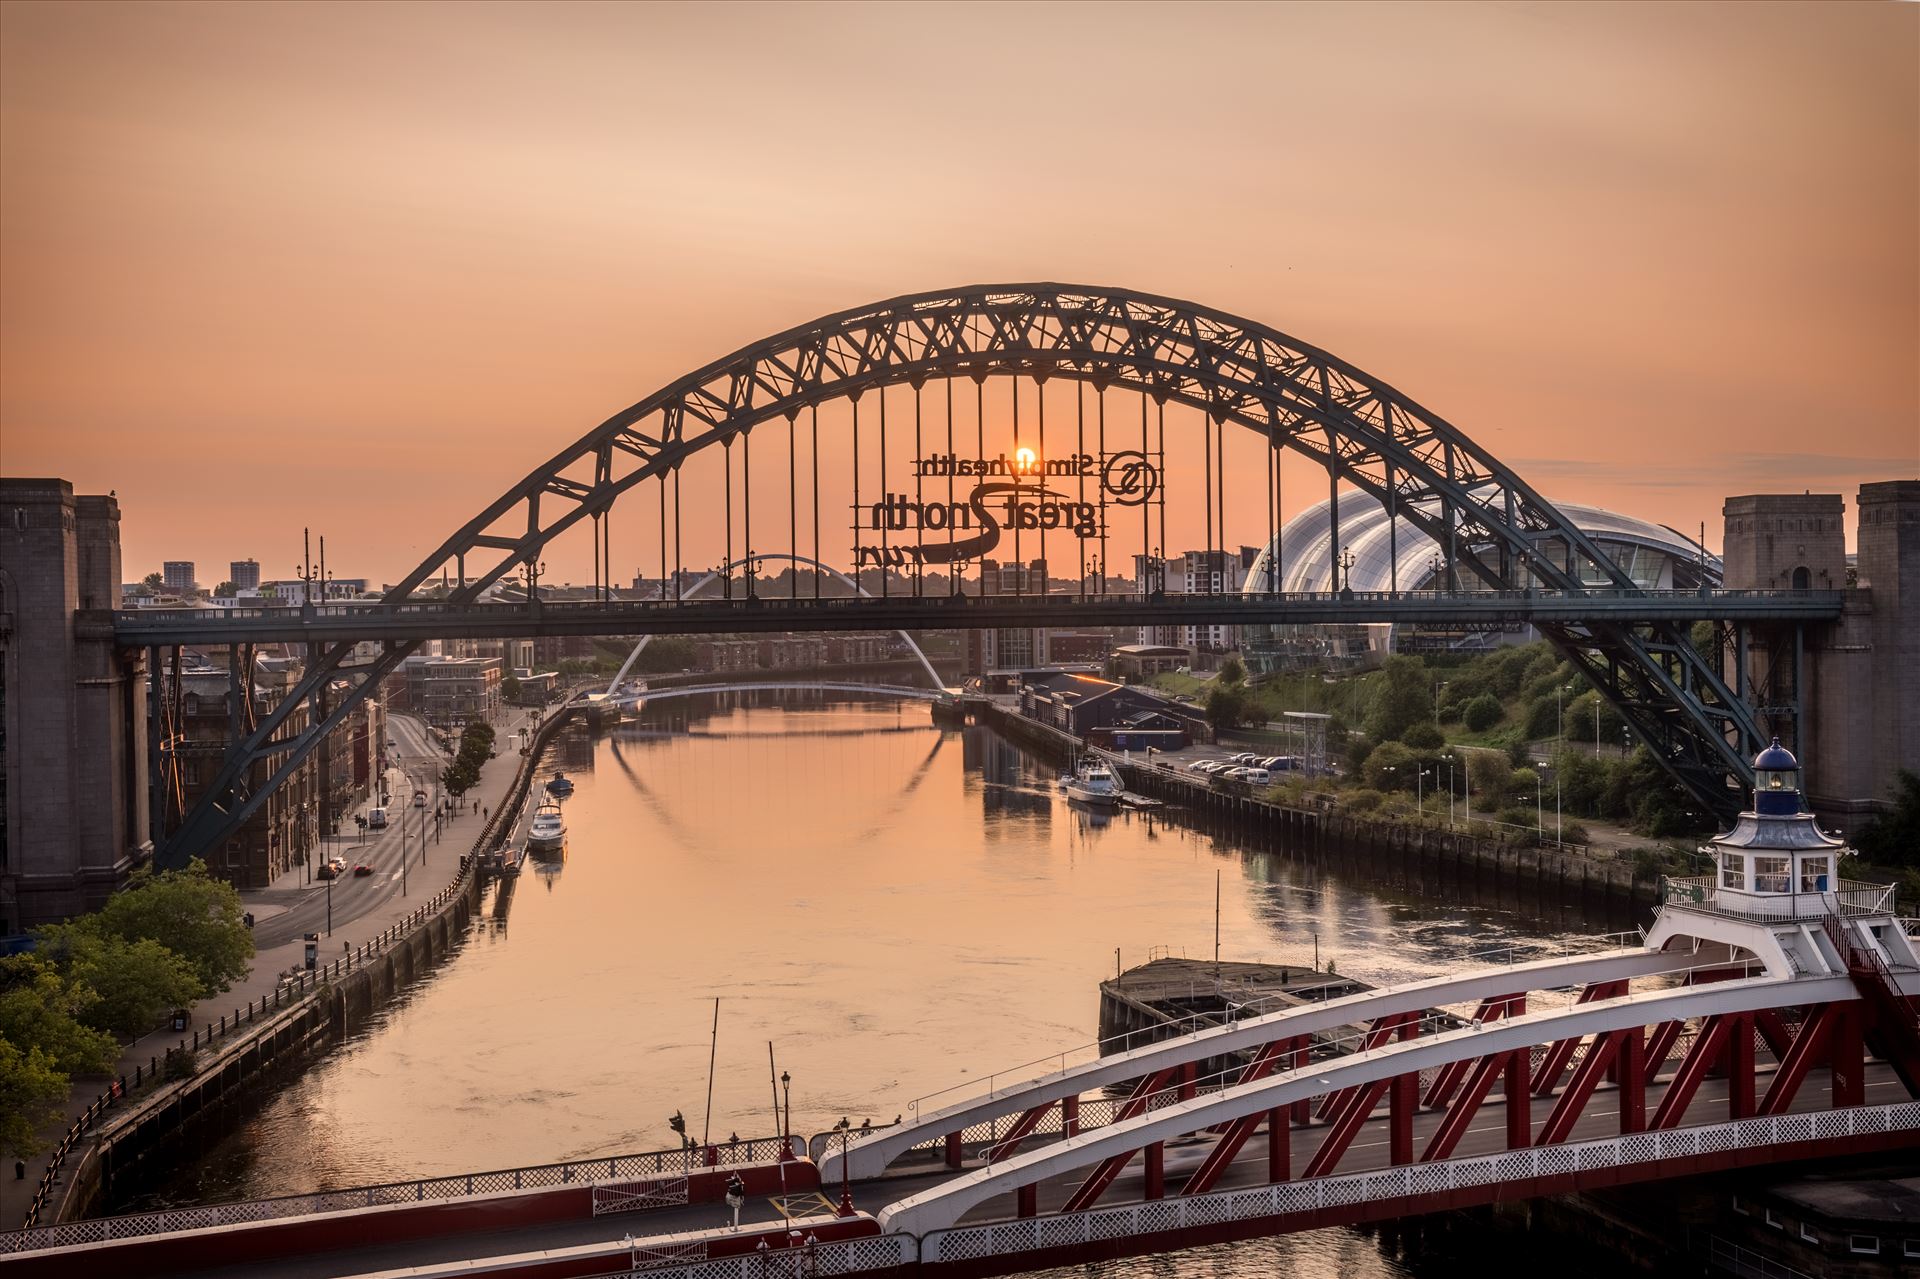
[(1776, 782), (1776, 861)]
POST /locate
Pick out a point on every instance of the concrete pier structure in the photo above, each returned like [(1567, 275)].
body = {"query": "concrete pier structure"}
[(1846, 694), (73, 740)]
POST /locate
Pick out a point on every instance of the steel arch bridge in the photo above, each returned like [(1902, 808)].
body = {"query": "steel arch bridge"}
[(1286, 394)]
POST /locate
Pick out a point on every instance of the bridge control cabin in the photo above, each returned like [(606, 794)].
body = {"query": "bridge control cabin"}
[(1777, 892)]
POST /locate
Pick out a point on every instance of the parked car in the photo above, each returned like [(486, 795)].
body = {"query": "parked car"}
[(1244, 757)]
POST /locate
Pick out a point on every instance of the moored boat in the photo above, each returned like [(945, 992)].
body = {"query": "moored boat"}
[(1093, 783), (548, 828), (560, 784)]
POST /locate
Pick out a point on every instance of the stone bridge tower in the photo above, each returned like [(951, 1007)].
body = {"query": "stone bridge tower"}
[(73, 716), (1845, 695)]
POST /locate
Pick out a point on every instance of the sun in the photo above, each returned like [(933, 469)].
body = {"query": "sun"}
[(1024, 458)]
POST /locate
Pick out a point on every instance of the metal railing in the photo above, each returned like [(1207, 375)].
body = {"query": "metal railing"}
[(1032, 1234), (648, 1166), (287, 997), (1851, 897), (1023, 1075)]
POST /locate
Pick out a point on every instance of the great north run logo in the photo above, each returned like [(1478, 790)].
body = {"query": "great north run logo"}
[(1012, 494)]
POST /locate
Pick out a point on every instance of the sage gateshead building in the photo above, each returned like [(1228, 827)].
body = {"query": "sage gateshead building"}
[(1374, 555)]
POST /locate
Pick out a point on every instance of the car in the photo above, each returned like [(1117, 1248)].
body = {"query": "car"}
[(1210, 766), (362, 869), (332, 868), (1244, 757), (419, 799)]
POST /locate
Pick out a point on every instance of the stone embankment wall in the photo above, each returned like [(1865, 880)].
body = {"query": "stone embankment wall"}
[(238, 1065), (1509, 872)]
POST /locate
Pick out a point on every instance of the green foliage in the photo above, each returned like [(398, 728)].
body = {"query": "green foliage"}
[(1361, 801), (1390, 767), (1575, 833), (459, 777), (180, 1063), (1403, 699), (189, 912), (1489, 772), (510, 688), (1233, 670), (154, 583), (1226, 705), (40, 1009), (32, 1091), (1542, 721), (1893, 838), (1423, 736), (136, 982), (1482, 713), (225, 591), (476, 748), (1523, 783)]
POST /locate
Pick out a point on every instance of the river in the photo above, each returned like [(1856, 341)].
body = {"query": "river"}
[(895, 906)]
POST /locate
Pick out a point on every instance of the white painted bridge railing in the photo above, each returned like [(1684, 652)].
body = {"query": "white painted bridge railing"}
[(1031, 1234), (840, 1257), (632, 1168)]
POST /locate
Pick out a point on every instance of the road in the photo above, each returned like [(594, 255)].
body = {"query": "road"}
[(415, 765)]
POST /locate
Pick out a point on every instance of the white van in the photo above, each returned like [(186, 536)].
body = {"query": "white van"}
[(376, 818)]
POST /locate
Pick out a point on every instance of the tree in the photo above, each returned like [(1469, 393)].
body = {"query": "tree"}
[(225, 591), (510, 688), (136, 982), (1226, 704), (189, 912), (1390, 767), (1482, 713), (1404, 699), (31, 1095), (154, 583), (1423, 736), (1489, 772), (460, 777), (1233, 670), (1893, 838), (41, 1009)]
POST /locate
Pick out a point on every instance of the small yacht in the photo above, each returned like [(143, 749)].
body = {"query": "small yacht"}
[(548, 829), (561, 784), (1093, 783)]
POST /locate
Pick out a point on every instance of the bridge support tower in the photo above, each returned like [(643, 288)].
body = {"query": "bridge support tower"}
[(1846, 694)]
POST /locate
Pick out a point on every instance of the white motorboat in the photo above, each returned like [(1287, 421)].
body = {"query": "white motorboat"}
[(548, 828), (1093, 783)]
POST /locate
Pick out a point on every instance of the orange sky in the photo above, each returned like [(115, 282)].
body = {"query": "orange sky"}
[(362, 267)]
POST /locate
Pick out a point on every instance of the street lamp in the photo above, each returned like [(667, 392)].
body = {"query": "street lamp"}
[(1346, 568), (786, 1121)]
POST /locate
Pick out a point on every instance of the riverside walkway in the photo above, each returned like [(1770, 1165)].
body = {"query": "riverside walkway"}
[(363, 910)]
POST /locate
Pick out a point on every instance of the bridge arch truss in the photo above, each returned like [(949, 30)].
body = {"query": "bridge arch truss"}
[(1287, 394)]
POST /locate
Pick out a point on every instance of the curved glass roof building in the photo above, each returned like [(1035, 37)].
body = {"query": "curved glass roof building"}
[(1390, 555)]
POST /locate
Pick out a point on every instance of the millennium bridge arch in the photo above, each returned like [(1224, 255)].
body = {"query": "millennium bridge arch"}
[(1281, 393)]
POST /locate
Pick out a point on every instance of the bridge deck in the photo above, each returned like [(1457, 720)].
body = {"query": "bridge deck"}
[(430, 619), (1369, 1151)]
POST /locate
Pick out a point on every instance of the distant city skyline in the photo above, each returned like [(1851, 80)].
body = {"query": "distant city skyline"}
[(266, 268)]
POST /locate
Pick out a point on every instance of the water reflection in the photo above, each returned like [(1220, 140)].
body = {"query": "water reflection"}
[(896, 906)]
